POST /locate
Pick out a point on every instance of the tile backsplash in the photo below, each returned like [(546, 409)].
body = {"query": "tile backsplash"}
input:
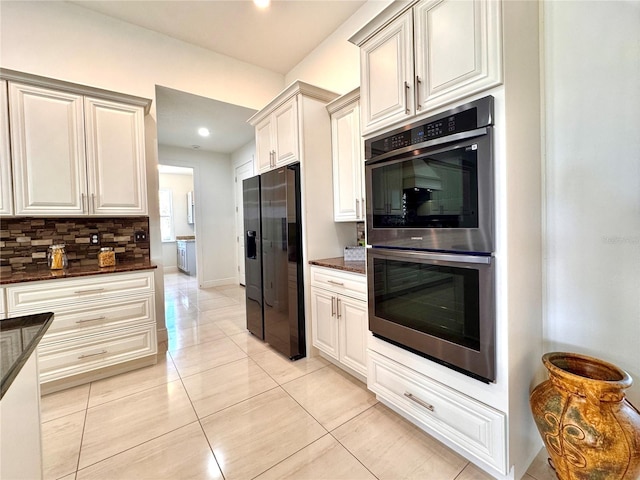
[(24, 241)]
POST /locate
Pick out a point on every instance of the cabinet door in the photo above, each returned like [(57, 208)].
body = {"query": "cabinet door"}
[(48, 151), (116, 161), (353, 326), (457, 49), (348, 204), (6, 190), (386, 71), (264, 149), (324, 326), (285, 121)]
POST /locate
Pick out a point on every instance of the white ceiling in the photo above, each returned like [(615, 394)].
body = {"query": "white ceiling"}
[(180, 115), (277, 39)]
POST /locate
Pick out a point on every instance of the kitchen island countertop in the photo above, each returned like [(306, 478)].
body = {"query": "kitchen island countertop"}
[(45, 273), (339, 263), (20, 337)]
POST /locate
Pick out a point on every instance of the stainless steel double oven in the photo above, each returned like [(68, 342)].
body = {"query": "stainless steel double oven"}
[(430, 223)]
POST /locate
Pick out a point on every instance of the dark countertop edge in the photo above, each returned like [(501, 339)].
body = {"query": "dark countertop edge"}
[(339, 263), (47, 320), (73, 272)]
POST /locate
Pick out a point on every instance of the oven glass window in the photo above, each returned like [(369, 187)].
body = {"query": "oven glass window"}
[(428, 191), (437, 300)]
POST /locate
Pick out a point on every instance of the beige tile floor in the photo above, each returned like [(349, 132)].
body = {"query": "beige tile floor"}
[(222, 405)]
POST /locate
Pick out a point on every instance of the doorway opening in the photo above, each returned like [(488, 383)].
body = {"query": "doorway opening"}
[(177, 219)]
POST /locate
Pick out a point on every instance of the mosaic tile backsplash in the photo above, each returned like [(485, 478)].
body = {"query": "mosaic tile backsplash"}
[(24, 241)]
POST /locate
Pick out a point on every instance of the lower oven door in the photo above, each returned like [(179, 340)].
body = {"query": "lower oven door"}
[(440, 306)]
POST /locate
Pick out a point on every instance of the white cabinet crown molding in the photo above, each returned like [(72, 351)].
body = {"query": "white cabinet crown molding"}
[(380, 21), (344, 100), (297, 87), (36, 80)]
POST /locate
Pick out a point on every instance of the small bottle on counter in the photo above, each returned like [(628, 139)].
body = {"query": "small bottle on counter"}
[(57, 257), (106, 257)]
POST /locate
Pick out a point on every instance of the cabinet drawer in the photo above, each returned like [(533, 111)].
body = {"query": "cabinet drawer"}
[(63, 359), (350, 284), (50, 294), (473, 426), (99, 317)]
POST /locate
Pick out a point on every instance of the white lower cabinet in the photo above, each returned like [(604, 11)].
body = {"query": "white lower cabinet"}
[(469, 424), (60, 360), (100, 321), (339, 317)]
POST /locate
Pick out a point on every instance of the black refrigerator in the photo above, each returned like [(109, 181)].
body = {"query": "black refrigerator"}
[(273, 260)]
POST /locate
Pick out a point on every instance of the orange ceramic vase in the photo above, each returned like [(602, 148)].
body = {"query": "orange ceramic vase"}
[(590, 430)]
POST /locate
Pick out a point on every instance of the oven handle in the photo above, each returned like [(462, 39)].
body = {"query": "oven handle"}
[(444, 257), (478, 132)]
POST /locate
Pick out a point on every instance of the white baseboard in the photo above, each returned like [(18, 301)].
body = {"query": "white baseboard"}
[(220, 282)]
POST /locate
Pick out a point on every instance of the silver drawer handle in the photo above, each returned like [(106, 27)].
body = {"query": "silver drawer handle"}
[(94, 290), (92, 354), (91, 319), (336, 283), (422, 403)]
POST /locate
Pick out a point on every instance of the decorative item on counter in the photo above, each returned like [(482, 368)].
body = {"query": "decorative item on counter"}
[(57, 257), (360, 232), (354, 254), (106, 257), (589, 429)]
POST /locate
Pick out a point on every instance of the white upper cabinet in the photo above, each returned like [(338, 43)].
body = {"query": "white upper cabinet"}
[(386, 69), (277, 137), (76, 155), (346, 152), (115, 158), (280, 125), (458, 49), (429, 55), (48, 152), (6, 189)]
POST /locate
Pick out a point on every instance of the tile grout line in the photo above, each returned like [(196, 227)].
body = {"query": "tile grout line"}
[(199, 420), (84, 426)]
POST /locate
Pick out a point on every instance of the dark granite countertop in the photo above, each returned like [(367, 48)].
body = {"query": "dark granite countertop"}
[(339, 263), (46, 274), (20, 336)]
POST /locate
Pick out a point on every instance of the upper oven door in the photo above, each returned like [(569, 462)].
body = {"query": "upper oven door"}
[(438, 197)]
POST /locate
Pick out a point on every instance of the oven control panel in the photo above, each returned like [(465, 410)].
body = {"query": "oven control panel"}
[(462, 119), (460, 122)]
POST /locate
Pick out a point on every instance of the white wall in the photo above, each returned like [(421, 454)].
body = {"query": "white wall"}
[(214, 211), (67, 42), (179, 184), (335, 64), (592, 98)]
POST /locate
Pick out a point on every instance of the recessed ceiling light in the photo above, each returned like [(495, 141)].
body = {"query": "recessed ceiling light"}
[(204, 132), (262, 3)]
